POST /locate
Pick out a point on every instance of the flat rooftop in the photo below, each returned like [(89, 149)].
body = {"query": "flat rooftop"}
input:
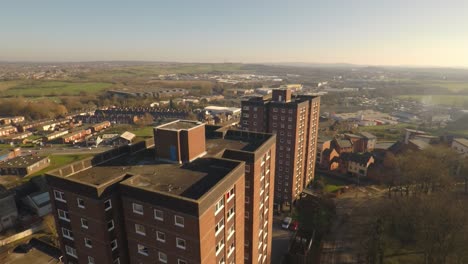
[(180, 125), (190, 180), (21, 162), (462, 141)]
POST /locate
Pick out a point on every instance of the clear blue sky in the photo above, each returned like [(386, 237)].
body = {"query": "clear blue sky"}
[(378, 32)]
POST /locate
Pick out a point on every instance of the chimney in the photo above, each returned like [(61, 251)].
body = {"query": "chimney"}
[(180, 141)]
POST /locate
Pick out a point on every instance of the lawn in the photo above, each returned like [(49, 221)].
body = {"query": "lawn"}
[(439, 99), (57, 161), (143, 132), (5, 85), (53, 88), (387, 132), (331, 184)]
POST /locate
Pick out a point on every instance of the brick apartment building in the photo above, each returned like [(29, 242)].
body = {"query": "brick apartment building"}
[(295, 122), (203, 199)]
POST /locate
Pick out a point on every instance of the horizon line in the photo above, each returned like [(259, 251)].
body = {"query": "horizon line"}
[(304, 64)]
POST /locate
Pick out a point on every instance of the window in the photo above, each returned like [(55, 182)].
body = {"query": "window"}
[(107, 205), (63, 215), (140, 229), (219, 205), (179, 220), (162, 257), (70, 251), (247, 199), (110, 225), (137, 208), (247, 168), (91, 260), (180, 243), (219, 226), (246, 214), (231, 231), (230, 213), (231, 249), (142, 250), (230, 194), (88, 242), (80, 203), (247, 184), (221, 261), (59, 196), (113, 244), (160, 236), (158, 215), (67, 233), (116, 261), (180, 261), (84, 223), (219, 246)]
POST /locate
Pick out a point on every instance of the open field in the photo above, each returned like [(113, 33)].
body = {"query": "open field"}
[(5, 85), (387, 132), (154, 70), (57, 161), (52, 88), (439, 99)]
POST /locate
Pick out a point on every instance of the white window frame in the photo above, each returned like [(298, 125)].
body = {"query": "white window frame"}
[(108, 207), (116, 245), (219, 207), (220, 226), (158, 233), (137, 211), (116, 261), (113, 225), (91, 260), (179, 224), (65, 214), (157, 217), (231, 212), (220, 246), (58, 195), (143, 233), (82, 225), (86, 240), (178, 239), (78, 203), (181, 261), (163, 260), (66, 233), (140, 249), (231, 194), (70, 251)]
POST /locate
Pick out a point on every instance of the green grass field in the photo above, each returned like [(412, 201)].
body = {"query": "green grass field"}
[(52, 88), (387, 132), (439, 99), (152, 70), (57, 161)]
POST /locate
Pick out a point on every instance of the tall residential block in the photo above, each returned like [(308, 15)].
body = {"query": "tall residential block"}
[(294, 119), (201, 196)]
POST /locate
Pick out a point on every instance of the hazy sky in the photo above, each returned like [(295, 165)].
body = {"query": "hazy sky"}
[(382, 32)]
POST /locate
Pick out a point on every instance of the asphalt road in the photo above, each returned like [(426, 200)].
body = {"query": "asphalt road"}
[(280, 241)]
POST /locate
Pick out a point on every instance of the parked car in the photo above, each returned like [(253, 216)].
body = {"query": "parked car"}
[(286, 222), (294, 225), (23, 248)]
